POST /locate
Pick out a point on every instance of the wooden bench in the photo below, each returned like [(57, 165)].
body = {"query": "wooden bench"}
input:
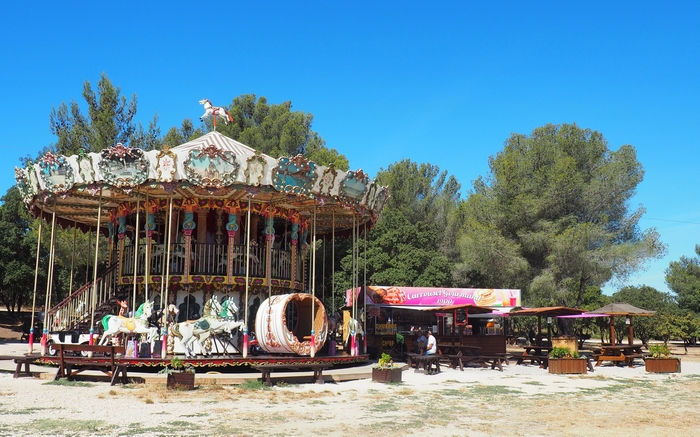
[(267, 369), (24, 362), (426, 361), (493, 360), (454, 360), (540, 360), (70, 366)]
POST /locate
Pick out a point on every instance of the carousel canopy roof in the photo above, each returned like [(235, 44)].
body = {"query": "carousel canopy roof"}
[(211, 168)]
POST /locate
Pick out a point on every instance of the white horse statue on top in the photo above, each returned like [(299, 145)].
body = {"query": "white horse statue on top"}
[(210, 110)]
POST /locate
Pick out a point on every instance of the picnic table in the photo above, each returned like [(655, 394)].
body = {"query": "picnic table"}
[(426, 361), (620, 353), (534, 354), (459, 354)]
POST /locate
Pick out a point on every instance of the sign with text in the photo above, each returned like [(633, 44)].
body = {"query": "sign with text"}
[(425, 296)]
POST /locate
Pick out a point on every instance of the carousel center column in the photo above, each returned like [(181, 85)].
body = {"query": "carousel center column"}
[(121, 230), (188, 225), (232, 208), (295, 239), (270, 239)]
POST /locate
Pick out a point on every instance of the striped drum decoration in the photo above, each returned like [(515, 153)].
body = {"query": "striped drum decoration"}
[(283, 324)]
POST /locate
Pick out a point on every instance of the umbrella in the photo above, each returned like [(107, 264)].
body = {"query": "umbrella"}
[(622, 309)]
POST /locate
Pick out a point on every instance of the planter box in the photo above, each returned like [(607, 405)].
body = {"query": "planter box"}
[(387, 375), (568, 365), (569, 341), (663, 365), (183, 381)]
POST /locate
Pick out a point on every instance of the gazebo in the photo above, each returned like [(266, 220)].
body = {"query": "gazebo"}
[(623, 310), (209, 216)]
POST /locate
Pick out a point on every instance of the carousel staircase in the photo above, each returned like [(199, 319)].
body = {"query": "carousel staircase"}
[(73, 312)]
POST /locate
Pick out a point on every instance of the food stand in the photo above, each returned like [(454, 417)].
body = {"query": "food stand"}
[(455, 315)]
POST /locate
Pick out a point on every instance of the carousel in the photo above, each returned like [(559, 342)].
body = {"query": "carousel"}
[(210, 248)]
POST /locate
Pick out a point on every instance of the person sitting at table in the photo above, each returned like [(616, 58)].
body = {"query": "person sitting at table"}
[(431, 344), (420, 342)]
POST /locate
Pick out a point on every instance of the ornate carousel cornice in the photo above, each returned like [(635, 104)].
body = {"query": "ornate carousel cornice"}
[(213, 169)]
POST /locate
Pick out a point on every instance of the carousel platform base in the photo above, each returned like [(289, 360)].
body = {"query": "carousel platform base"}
[(226, 370)]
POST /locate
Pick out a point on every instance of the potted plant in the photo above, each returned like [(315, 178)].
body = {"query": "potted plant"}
[(563, 361), (386, 370), (661, 360), (180, 374)]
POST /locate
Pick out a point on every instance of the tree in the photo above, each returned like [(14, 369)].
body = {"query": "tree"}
[(411, 244), (109, 121), (552, 217), (683, 278), (17, 253), (647, 298), (277, 131)]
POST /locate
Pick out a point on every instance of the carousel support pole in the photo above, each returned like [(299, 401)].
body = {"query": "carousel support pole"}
[(332, 345), (136, 249), (94, 272), (353, 342), (72, 259), (149, 226), (364, 299), (165, 282), (47, 305), (247, 279), (36, 278), (313, 289)]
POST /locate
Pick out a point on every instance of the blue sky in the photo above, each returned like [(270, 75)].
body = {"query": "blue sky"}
[(438, 82)]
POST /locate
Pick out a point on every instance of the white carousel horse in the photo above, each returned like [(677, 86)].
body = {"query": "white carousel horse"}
[(131, 325), (210, 109), (211, 323)]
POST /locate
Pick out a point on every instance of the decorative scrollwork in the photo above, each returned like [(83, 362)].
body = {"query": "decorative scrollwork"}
[(123, 166), (56, 173), (328, 180), (211, 168), (166, 167), (353, 187), (255, 170), (294, 175)]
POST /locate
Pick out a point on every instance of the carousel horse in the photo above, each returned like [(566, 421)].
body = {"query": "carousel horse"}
[(123, 305), (210, 109), (131, 325), (334, 322), (354, 328), (199, 330), (229, 309)]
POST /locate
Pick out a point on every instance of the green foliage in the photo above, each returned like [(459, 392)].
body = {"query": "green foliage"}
[(683, 325), (385, 362), (659, 350), (562, 352), (109, 121), (645, 297), (277, 131), (552, 217), (683, 278), (17, 253)]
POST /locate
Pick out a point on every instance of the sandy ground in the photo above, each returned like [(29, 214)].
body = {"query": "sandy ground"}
[(521, 401)]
